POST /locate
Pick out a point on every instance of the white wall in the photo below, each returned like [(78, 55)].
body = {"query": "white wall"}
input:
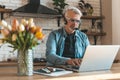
[(107, 22), (116, 24)]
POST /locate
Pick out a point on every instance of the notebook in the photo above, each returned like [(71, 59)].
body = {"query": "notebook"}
[(96, 57), (52, 72)]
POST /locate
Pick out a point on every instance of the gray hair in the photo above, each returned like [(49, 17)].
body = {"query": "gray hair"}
[(71, 8)]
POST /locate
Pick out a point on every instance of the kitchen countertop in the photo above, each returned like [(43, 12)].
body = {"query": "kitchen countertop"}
[(14, 63), (10, 73)]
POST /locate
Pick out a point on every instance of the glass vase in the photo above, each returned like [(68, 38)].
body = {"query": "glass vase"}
[(25, 62)]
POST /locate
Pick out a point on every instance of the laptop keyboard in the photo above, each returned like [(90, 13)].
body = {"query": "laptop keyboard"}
[(69, 67), (73, 67)]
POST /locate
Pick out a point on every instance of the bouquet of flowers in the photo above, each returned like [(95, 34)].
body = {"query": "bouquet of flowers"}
[(24, 35)]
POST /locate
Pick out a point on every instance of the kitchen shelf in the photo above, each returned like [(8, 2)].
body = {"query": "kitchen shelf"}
[(2, 11), (93, 17), (93, 20), (95, 35)]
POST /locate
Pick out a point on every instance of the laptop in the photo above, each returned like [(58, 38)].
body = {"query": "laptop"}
[(96, 58)]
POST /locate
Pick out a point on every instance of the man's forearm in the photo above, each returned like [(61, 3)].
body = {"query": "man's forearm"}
[(56, 60)]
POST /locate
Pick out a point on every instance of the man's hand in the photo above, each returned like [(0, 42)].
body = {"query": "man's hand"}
[(74, 62)]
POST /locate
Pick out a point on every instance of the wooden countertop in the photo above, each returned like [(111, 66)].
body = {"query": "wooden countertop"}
[(10, 73), (14, 63)]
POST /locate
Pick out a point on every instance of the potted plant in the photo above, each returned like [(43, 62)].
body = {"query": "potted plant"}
[(86, 8), (59, 5)]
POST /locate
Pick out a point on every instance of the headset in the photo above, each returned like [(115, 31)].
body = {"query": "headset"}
[(65, 21), (70, 8)]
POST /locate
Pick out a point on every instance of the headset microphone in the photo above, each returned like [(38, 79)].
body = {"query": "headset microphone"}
[(76, 29)]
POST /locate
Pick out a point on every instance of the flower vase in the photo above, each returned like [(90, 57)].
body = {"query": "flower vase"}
[(25, 62)]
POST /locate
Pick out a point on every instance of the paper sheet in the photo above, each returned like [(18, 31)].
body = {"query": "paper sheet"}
[(59, 73)]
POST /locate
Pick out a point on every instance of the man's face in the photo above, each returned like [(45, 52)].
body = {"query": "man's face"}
[(73, 21)]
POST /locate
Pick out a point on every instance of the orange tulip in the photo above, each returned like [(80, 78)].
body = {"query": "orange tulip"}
[(33, 29), (38, 29), (39, 35), (15, 25), (1, 41), (5, 32)]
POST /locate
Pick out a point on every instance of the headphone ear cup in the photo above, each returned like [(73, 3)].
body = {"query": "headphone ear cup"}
[(65, 20)]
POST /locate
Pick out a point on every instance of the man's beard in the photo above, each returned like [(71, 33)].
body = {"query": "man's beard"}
[(72, 29)]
